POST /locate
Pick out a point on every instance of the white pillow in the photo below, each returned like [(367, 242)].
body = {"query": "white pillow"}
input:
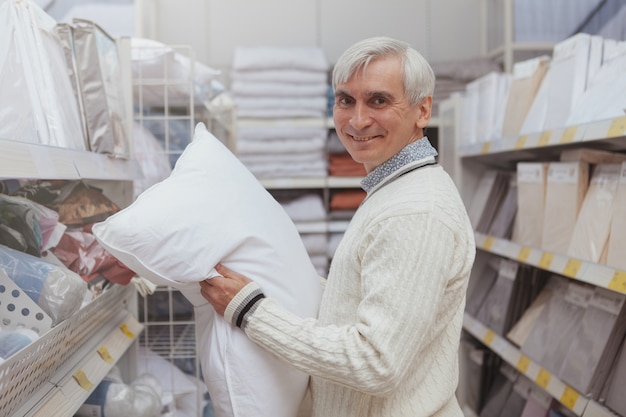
[(212, 209)]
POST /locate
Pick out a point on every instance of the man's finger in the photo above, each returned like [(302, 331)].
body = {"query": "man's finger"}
[(223, 270), (207, 282)]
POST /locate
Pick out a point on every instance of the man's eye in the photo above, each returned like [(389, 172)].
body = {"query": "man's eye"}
[(379, 101), (344, 101)]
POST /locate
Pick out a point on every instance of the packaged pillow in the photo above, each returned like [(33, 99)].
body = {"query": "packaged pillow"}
[(211, 209)]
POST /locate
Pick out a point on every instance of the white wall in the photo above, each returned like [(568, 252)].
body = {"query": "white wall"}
[(441, 29)]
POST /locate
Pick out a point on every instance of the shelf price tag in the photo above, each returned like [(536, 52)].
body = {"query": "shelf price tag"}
[(569, 397), (82, 380), (486, 147), (618, 282), (488, 339), (543, 378), (489, 242), (522, 364), (618, 127), (521, 142), (124, 328), (569, 134), (546, 260), (544, 139), (524, 252), (105, 355), (572, 267)]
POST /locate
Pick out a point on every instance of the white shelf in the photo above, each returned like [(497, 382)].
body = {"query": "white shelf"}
[(566, 395), (314, 182), (592, 273), (312, 227), (602, 130), (344, 182), (56, 373), (298, 183), (522, 46), (467, 162), (594, 409), (507, 46), (33, 161), (71, 390), (338, 226), (314, 122)]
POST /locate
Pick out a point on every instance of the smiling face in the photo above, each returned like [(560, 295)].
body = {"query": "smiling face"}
[(372, 114)]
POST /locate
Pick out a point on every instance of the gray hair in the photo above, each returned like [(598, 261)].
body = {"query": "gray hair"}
[(418, 76)]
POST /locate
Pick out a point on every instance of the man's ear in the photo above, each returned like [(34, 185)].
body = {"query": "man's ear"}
[(424, 108)]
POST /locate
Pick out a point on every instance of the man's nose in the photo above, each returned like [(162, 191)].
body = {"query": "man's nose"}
[(361, 116)]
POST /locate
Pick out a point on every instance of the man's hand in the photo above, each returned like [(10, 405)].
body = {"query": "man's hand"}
[(219, 291)]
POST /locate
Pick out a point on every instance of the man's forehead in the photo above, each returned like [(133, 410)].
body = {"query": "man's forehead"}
[(379, 79)]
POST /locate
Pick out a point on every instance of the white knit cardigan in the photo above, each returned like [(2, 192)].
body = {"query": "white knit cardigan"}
[(386, 341)]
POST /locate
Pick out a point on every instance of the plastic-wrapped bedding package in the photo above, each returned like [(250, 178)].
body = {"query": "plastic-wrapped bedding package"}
[(114, 398), (80, 252), (151, 158), (12, 341), (57, 290), (155, 61), (37, 101), (65, 33), (28, 226), (98, 68), (211, 209)]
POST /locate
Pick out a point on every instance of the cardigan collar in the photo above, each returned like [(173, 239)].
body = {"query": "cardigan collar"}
[(414, 155)]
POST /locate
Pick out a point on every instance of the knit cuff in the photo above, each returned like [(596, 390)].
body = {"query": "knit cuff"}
[(243, 305)]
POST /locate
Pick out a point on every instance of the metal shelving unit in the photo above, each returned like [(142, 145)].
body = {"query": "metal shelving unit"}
[(467, 163), (563, 393), (589, 272), (498, 35), (55, 374), (166, 315)]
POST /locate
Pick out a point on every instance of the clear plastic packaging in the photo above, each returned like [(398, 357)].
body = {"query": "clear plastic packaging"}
[(12, 341), (57, 290), (113, 398), (37, 104)]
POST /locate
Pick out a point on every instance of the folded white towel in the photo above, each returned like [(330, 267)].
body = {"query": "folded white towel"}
[(269, 57)]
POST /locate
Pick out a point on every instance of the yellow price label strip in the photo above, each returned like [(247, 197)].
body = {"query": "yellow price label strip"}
[(618, 282), (524, 253), (486, 147), (82, 380), (543, 378), (489, 337), (572, 267), (544, 139), (569, 397), (124, 328), (546, 260), (489, 242), (521, 142), (522, 364), (568, 134), (618, 127), (105, 355)]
